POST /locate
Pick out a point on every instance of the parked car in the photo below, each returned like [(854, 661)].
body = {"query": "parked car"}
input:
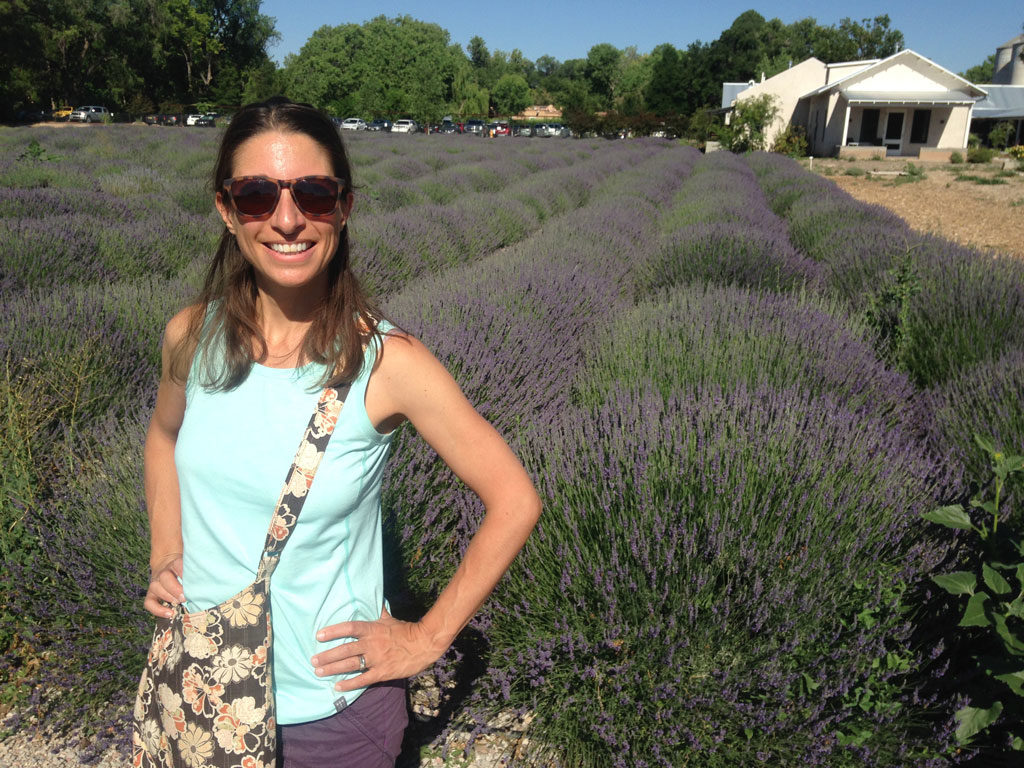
[(405, 126), (557, 129), (203, 121), (447, 127), (475, 127), (522, 130), (89, 115), (63, 113), (379, 125), (353, 124), (501, 129), (162, 119)]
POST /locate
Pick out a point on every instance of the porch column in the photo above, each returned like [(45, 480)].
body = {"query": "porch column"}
[(846, 125), (967, 130)]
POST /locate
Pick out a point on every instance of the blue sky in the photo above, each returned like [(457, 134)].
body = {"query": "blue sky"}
[(956, 35)]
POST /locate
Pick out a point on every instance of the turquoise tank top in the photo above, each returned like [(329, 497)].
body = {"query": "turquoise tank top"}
[(232, 454)]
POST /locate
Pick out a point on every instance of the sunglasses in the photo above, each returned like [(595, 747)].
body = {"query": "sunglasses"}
[(258, 196)]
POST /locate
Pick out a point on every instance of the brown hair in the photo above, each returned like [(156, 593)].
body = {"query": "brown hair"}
[(223, 330)]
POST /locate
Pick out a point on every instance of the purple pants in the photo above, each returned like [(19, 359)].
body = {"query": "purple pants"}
[(366, 734)]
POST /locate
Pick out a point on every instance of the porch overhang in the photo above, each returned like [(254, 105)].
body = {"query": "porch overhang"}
[(906, 98)]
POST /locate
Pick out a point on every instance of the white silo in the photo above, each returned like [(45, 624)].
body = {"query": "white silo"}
[(1009, 69), (1017, 63)]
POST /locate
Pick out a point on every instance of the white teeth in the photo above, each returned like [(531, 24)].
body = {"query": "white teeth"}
[(289, 247)]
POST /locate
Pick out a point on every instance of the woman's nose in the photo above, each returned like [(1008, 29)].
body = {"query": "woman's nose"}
[(287, 216)]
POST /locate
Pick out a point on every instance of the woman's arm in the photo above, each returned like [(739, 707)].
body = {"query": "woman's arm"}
[(410, 383), (161, 479)]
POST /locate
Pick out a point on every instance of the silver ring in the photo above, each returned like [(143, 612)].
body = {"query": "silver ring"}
[(362, 663)]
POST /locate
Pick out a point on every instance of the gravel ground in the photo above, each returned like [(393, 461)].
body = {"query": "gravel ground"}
[(989, 217), (33, 749)]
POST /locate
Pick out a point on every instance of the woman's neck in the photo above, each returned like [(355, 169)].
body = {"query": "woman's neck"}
[(285, 317)]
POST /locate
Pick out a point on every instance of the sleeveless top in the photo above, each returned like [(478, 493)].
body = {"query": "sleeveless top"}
[(232, 454)]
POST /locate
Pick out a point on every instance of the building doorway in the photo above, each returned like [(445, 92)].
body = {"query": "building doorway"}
[(893, 133), (868, 127)]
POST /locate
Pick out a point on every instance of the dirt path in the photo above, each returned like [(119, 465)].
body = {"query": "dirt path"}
[(985, 216)]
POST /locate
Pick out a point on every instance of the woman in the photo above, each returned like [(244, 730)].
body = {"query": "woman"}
[(280, 316)]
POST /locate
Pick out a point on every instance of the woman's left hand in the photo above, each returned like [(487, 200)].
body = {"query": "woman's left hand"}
[(393, 650)]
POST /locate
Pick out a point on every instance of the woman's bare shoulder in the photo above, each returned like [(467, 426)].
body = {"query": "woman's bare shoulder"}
[(181, 325)]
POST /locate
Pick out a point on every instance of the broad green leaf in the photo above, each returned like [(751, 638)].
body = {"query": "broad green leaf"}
[(1017, 745), (974, 613), (810, 682), (951, 517), (1012, 643), (985, 443), (1016, 608), (957, 583), (1013, 679), (974, 719), (1010, 464), (989, 506), (994, 580)]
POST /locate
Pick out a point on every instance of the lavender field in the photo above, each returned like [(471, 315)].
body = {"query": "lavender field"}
[(736, 387)]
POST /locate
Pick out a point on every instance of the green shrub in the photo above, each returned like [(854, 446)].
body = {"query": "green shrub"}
[(1001, 133), (792, 142), (956, 158), (991, 594), (980, 154)]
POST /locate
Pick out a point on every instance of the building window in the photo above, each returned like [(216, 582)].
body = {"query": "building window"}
[(919, 127)]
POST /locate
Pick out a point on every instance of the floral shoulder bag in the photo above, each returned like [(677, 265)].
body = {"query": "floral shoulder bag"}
[(206, 697)]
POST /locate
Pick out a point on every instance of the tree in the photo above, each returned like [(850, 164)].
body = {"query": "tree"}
[(396, 67), (477, 50), (749, 123), (981, 73), (511, 95), (665, 91), (602, 72)]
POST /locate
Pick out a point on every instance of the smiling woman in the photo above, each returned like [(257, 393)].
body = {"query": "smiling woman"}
[(281, 329)]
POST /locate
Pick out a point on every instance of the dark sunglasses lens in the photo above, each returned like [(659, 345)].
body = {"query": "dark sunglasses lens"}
[(317, 197), (254, 197)]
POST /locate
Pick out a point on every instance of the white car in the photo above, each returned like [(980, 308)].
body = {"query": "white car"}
[(89, 115), (404, 126), (353, 124)]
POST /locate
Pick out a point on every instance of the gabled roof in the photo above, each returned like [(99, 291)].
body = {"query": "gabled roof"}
[(1002, 101), (941, 75)]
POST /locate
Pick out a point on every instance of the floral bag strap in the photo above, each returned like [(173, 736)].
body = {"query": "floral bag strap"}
[(300, 476)]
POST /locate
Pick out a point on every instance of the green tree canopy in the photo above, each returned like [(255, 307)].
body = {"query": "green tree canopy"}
[(981, 73), (396, 67), (511, 95)]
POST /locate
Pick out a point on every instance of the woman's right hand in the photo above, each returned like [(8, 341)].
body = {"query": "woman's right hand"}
[(165, 586)]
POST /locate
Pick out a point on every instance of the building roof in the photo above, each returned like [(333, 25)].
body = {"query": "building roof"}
[(731, 90), (1002, 101), (1010, 43), (952, 80)]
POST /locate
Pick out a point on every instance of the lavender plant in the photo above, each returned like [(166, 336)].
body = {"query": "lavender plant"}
[(703, 335), (710, 614), (982, 399)]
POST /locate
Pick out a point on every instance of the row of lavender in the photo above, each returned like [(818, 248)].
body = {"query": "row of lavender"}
[(676, 606), (950, 317), (657, 339)]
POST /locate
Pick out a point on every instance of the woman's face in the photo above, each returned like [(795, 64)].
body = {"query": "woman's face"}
[(287, 248)]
